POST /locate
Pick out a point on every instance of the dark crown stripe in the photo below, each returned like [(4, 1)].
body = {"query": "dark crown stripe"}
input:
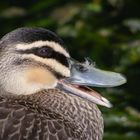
[(49, 54)]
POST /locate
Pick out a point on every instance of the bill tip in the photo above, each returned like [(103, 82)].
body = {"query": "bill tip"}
[(107, 103)]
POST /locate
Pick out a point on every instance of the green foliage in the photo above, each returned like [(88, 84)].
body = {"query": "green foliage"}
[(108, 31)]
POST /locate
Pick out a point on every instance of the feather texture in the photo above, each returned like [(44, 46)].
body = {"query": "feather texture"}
[(49, 115)]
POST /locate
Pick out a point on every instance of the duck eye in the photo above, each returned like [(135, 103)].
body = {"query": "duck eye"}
[(44, 52)]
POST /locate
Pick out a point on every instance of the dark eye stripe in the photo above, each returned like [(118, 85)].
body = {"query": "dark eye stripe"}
[(50, 53)]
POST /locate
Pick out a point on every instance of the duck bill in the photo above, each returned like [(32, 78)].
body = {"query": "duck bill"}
[(85, 93), (83, 75), (87, 74)]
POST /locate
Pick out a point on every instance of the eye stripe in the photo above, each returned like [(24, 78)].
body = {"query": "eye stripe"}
[(38, 44), (49, 54), (52, 63)]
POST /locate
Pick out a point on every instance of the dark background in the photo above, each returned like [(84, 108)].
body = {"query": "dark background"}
[(107, 31)]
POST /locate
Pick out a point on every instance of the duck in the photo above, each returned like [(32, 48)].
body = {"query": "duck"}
[(44, 92)]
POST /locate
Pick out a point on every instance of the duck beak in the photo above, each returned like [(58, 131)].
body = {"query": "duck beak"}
[(85, 74)]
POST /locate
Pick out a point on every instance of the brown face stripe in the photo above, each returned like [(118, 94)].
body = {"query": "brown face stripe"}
[(50, 53)]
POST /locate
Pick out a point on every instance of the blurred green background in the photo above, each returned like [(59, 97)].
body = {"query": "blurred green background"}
[(107, 31)]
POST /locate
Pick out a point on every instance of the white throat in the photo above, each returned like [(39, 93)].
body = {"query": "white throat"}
[(16, 83)]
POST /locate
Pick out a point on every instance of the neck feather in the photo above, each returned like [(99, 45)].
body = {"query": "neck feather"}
[(80, 113)]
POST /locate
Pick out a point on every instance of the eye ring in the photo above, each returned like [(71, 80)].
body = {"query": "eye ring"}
[(44, 52)]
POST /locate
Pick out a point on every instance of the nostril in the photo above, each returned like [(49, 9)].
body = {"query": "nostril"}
[(80, 68)]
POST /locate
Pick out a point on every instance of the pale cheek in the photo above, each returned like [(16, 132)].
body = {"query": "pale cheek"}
[(41, 76)]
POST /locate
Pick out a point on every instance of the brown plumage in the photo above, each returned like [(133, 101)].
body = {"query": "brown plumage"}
[(42, 92), (49, 115)]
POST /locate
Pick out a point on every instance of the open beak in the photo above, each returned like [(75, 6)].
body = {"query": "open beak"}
[(85, 74)]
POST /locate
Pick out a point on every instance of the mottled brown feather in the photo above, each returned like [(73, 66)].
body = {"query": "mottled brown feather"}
[(49, 115)]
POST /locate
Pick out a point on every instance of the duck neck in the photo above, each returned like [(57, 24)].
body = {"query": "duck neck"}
[(81, 113)]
